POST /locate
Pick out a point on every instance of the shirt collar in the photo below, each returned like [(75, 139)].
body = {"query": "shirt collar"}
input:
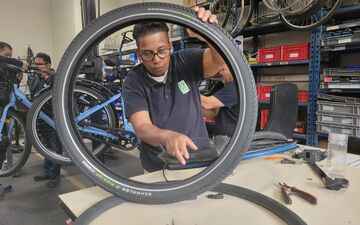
[(169, 74)]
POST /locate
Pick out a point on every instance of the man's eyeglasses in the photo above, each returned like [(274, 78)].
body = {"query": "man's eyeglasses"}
[(39, 64), (149, 55)]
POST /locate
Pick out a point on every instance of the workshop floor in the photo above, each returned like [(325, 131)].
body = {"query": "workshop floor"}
[(33, 203)]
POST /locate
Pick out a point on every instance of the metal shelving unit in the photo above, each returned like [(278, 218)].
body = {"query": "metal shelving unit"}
[(351, 48), (268, 102), (344, 13), (345, 39), (314, 85), (283, 63), (337, 90), (300, 136)]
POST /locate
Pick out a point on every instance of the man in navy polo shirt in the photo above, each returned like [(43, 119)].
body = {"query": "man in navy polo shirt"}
[(222, 106), (161, 94)]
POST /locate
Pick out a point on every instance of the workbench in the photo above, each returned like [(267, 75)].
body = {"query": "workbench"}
[(258, 174)]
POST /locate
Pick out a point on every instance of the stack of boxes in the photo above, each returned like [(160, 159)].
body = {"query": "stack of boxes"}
[(338, 114), (284, 53), (341, 78)]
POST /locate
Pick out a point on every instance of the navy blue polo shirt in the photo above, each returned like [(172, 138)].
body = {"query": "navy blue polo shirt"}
[(226, 119), (174, 105)]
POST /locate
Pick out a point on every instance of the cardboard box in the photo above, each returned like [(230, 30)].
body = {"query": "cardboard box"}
[(189, 3)]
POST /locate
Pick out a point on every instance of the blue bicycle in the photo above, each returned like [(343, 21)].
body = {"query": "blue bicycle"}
[(99, 115), (95, 110), (15, 147)]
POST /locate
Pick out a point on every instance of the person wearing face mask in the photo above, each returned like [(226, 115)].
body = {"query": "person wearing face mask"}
[(162, 99)]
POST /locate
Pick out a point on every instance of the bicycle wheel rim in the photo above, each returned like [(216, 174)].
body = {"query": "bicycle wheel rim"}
[(296, 24), (24, 155), (241, 24), (34, 124), (227, 14), (133, 190)]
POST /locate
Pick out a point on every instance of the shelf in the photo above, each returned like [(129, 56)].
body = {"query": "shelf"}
[(336, 90), (321, 134), (347, 12), (341, 48), (283, 63), (342, 26), (343, 13), (268, 102), (299, 136)]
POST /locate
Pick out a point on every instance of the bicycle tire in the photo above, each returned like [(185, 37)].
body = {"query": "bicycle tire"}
[(290, 21), (24, 155), (239, 27), (34, 123), (227, 14), (135, 191), (273, 206)]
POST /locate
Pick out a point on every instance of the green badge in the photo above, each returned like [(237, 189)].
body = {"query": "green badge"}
[(183, 87)]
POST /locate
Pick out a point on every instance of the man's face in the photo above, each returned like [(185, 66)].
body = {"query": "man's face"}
[(41, 64), (6, 52), (158, 44)]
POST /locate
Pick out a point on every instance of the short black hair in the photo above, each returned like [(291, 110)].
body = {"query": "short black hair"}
[(4, 45), (44, 56), (142, 29)]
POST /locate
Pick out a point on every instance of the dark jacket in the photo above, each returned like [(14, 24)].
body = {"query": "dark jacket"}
[(39, 83), (9, 68)]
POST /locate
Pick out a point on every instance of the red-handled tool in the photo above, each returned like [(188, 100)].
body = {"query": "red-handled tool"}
[(286, 191)]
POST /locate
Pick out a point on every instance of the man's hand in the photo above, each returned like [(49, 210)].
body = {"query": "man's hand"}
[(44, 76), (25, 66), (205, 15), (176, 145)]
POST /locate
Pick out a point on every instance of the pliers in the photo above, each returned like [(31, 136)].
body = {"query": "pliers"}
[(286, 191)]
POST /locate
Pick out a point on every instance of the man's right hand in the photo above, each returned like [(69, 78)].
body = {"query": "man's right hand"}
[(176, 144), (25, 66)]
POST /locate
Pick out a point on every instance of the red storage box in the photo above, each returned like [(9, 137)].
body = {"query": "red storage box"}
[(295, 52), (263, 118), (272, 54), (303, 96), (263, 92)]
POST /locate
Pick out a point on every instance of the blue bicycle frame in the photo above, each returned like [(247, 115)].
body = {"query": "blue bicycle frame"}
[(17, 95), (96, 108)]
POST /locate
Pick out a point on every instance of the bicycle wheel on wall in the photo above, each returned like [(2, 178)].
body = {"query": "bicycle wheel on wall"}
[(316, 15), (245, 11), (16, 147), (129, 189)]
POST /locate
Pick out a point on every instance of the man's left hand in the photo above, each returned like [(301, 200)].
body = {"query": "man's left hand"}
[(205, 15)]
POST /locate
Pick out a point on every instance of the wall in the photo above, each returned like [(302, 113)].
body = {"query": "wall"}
[(114, 40), (47, 25), (62, 27), (26, 22)]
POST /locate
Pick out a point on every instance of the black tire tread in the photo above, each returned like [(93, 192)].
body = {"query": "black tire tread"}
[(230, 168), (27, 147)]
